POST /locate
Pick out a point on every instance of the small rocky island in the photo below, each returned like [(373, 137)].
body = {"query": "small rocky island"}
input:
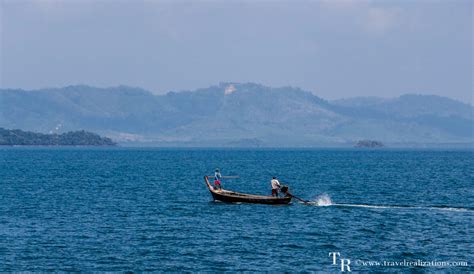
[(369, 144), (18, 137)]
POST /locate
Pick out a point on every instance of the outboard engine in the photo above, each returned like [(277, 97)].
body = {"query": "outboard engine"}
[(284, 189)]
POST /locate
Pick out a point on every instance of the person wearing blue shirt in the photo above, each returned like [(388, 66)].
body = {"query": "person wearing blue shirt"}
[(217, 179)]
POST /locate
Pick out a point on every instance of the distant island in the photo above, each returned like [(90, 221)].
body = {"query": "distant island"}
[(369, 144), (18, 137), (239, 115)]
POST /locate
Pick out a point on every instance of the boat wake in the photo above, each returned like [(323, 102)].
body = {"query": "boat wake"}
[(325, 200)]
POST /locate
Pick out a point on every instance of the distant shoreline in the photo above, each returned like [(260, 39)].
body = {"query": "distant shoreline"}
[(348, 146)]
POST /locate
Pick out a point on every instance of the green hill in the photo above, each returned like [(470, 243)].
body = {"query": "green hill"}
[(234, 114), (72, 138)]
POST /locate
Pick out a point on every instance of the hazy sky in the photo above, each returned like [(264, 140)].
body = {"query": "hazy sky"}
[(332, 48)]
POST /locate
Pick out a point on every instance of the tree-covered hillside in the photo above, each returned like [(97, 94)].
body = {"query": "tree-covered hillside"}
[(226, 114), (73, 138)]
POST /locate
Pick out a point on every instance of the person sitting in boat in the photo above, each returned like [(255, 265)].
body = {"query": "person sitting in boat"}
[(217, 179), (275, 186)]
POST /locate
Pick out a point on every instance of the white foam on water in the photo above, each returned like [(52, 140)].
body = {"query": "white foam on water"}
[(370, 206), (322, 200), (325, 200), (406, 207), (449, 208)]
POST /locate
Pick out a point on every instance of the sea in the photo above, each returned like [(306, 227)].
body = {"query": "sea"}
[(148, 209)]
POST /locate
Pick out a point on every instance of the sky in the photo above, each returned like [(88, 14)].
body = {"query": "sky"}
[(335, 49)]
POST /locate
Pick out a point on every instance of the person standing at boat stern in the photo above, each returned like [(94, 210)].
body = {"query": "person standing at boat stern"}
[(217, 179), (275, 186)]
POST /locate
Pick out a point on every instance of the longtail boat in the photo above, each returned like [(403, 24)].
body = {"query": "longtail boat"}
[(236, 197)]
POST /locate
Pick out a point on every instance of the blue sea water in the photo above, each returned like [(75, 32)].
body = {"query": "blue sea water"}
[(97, 209)]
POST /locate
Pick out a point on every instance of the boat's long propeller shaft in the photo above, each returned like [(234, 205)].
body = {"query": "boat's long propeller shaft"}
[(298, 198), (285, 190)]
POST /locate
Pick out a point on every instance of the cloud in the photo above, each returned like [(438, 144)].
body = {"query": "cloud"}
[(366, 16), (381, 20), (341, 4)]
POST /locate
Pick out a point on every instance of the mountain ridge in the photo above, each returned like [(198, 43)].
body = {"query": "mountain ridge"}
[(228, 113)]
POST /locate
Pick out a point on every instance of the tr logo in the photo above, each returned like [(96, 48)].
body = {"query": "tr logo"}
[(345, 263)]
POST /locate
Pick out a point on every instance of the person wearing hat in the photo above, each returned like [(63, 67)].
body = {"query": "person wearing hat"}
[(275, 186), (217, 179)]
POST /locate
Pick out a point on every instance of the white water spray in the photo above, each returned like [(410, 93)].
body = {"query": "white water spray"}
[(323, 200)]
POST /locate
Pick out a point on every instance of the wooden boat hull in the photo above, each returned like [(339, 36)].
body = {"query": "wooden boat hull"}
[(236, 197)]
